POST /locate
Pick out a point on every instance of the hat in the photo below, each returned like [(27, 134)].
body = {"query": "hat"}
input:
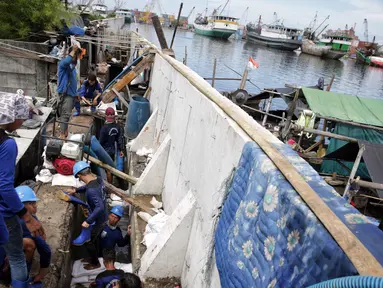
[(12, 107), (110, 114)]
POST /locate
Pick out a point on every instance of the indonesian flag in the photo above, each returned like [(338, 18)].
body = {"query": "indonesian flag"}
[(252, 64)]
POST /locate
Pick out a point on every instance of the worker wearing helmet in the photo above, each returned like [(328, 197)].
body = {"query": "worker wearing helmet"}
[(111, 235), (30, 243), (93, 225)]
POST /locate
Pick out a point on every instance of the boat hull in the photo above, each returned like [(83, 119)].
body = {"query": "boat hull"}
[(216, 33), (332, 54), (281, 44), (313, 49)]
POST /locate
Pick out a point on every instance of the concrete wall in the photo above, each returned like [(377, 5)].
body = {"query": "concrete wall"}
[(23, 73), (205, 148)]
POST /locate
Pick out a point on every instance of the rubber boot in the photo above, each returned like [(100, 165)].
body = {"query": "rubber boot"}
[(93, 109), (72, 199), (78, 108), (19, 284), (84, 236)]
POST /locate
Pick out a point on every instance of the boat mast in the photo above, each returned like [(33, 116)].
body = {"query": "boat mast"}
[(313, 33), (224, 7)]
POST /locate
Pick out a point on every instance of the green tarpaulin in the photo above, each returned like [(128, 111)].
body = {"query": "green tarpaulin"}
[(345, 107), (330, 166)]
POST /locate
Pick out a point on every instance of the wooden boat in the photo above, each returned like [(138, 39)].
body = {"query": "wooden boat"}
[(375, 61), (309, 47)]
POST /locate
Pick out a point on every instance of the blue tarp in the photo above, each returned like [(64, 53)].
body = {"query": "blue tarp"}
[(268, 237)]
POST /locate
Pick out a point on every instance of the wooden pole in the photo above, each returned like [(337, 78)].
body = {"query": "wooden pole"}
[(262, 112), (178, 22), (134, 202), (351, 123), (223, 79), (160, 33), (330, 84), (327, 134), (186, 55), (147, 92), (346, 194), (322, 139), (119, 96), (112, 170), (214, 70), (364, 262), (244, 78), (267, 109), (290, 113)]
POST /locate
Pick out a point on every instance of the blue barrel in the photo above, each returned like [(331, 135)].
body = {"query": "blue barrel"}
[(138, 114)]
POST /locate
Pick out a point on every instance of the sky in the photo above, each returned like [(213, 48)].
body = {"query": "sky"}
[(296, 13)]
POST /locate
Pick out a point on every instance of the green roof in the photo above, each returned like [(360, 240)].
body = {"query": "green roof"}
[(345, 107)]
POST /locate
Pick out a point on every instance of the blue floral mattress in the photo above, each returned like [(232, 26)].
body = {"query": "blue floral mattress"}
[(268, 237)]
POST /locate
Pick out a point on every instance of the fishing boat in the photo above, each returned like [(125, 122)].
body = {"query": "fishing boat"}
[(309, 47), (275, 36), (362, 57), (339, 41), (216, 26)]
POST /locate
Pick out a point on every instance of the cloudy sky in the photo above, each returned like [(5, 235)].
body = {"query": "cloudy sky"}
[(294, 12)]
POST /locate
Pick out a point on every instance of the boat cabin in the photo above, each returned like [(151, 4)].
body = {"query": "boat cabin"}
[(337, 42), (223, 18)]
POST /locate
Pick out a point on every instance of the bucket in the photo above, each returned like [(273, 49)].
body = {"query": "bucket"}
[(138, 114)]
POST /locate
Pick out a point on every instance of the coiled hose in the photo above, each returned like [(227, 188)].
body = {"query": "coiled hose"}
[(352, 282)]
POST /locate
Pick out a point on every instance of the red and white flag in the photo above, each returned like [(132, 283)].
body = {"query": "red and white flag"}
[(252, 64)]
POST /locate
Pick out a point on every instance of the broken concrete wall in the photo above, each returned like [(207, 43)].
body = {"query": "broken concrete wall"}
[(22, 73)]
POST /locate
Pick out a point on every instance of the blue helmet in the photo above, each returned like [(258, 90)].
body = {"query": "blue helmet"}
[(117, 210), (26, 194), (79, 166)]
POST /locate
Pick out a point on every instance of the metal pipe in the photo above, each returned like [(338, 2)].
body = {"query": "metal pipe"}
[(175, 28)]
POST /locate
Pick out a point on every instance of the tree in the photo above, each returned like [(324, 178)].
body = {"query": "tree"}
[(19, 18)]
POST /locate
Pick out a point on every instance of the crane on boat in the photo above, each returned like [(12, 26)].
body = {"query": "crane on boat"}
[(365, 34), (190, 13)]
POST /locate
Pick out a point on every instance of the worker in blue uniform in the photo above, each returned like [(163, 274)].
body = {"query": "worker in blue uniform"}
[(111, 276), (111, 235), (14, 110), (67, 87), (93, 225), (90, 93), (31, 243)]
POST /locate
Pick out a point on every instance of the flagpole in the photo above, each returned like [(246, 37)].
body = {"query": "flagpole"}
[(244, 78)]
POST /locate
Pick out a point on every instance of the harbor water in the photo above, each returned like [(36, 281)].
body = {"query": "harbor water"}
[(276, 68)]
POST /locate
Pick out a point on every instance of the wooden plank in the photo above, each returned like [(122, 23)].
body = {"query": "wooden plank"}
[(122, 99), (134, 202), (129, 77), (114, 171), (359, 255)]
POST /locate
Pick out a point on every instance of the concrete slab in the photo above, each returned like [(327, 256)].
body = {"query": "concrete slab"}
[(152, 179), (28, 135), (166, 256)]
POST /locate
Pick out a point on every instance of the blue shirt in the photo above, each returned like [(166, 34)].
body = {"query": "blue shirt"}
[(41, 246), (110, 134), (67, 82), (95, 197), (109, 238), (10, 203), (107, 278), (88, 91)]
